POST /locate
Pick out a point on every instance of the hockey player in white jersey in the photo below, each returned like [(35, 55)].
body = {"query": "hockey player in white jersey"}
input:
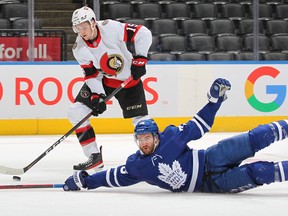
[(101, 49), (165, 160)]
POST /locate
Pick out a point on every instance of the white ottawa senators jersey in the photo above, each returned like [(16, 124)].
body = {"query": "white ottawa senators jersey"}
[(108, 55)]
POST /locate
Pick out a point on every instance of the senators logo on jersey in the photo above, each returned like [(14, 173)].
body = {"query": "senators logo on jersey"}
[(84, 94), (111, 65)]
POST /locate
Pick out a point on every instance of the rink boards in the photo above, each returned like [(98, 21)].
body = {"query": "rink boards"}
[(34, 97)]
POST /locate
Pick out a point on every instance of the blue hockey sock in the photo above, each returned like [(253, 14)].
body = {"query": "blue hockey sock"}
[(261, 172), (263, 135), (281, 171)]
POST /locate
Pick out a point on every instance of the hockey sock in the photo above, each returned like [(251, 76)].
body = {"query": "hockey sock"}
[(263, 172), (281, 171), (85, 135), (263, 135)]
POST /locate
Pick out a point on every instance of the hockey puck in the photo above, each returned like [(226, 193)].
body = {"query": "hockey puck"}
[(16, 178)]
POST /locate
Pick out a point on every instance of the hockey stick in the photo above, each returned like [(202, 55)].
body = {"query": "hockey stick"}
[(20, 171), (28, 186)]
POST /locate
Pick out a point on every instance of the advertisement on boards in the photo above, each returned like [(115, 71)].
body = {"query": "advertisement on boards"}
[(46, 91), (16, 49)]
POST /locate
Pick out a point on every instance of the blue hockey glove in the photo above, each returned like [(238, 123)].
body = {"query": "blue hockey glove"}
[(218, 90), (76, 181), (138, 68), (98, 104)]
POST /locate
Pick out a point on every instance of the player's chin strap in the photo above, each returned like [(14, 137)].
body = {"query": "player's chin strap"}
[(156, 140), (93, 30)]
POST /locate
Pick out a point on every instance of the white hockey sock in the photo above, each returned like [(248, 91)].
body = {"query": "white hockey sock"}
[(281, 171), (280, 129)]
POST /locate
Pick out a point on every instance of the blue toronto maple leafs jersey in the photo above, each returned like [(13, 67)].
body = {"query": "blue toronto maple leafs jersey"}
[(172, 166)]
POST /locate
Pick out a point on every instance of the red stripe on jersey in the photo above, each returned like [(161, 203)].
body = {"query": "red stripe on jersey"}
[(82, 129), (137, 29), (131, 28), (113, 83), (125, 33), (87, 142), (90, 70), (90, 65), (92, 76)]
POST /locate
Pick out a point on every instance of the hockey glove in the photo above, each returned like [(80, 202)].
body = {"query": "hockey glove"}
[(138, 67), (218, 90), (98, 104), (76, 181)]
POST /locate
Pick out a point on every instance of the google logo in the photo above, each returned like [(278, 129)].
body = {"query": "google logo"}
[(279, 90)]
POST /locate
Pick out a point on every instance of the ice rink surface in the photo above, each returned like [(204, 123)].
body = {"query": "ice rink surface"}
[(141, 199)]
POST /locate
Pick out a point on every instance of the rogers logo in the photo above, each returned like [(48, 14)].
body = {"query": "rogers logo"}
[(1, 91)]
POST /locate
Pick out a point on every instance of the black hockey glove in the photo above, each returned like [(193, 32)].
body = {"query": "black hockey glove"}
[(138, 67), (76, 181), (218, 90), (98, 104)]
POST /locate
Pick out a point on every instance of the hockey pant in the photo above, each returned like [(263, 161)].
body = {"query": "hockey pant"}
[(223, 172)]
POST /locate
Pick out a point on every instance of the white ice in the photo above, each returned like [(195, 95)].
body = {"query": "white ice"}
[(141, 199)]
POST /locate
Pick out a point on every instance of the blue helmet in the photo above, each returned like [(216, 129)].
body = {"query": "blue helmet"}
[(146, 126)]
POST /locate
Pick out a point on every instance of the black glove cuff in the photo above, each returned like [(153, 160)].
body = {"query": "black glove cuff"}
[(139, 61)]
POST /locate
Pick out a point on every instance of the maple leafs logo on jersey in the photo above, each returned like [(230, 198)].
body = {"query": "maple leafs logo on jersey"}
[(174, 176)]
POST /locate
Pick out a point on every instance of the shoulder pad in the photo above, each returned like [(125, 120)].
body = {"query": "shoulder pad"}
[(105, 22)]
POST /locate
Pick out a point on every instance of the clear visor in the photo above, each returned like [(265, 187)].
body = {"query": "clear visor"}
[(145, 139)]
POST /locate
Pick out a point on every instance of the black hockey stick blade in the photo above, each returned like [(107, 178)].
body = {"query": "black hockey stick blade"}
[(29, 186), (20, 171)]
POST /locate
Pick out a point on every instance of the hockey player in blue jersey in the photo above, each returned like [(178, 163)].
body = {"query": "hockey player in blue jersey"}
[(165, 160)]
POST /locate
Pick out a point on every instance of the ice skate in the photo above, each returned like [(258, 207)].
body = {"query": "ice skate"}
[(94, 162)]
